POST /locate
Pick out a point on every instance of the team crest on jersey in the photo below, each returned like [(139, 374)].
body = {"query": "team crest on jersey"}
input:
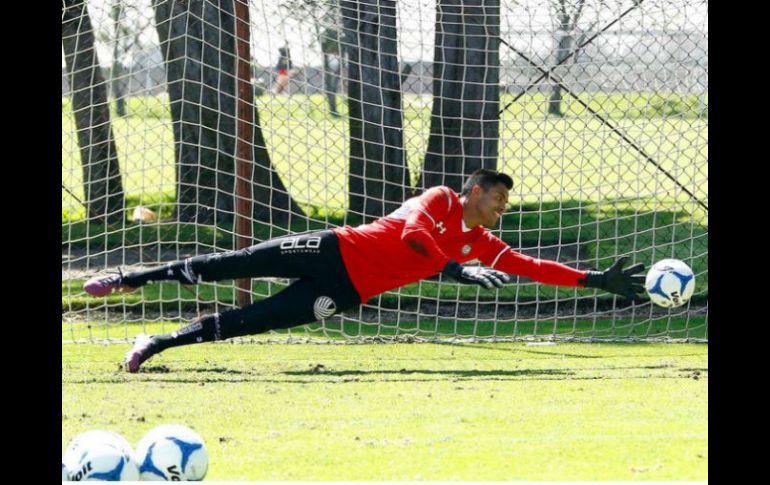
[(466, 249)]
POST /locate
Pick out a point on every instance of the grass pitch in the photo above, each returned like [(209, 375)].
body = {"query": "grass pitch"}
[(503, 411)]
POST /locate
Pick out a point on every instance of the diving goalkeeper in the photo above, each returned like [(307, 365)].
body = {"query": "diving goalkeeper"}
[(341, 268)]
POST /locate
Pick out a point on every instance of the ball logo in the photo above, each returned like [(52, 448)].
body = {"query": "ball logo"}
[(174, 473), (324, 307), (80, 474)]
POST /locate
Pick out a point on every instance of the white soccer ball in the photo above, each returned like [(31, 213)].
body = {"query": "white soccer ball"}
[(99, 455), (172, 452), (670, 283)]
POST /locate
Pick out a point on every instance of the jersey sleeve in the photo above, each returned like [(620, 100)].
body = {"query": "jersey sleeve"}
[(498, 255), (431, 206)]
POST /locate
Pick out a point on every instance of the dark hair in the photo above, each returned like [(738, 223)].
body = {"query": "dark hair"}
[(486, 179)]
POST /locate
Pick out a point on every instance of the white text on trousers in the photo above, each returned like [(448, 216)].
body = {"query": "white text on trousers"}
[(297, 243)]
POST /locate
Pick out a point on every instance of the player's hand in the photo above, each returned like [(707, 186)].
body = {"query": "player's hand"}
[(474, 275), (625, 282)]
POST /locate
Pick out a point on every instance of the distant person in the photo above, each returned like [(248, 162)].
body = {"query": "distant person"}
[(283, 69)]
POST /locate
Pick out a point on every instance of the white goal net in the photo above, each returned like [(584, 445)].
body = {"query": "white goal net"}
[(597, 109)]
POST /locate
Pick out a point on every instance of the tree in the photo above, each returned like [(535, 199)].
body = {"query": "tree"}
[(123, 35), (102, 185), (567, 17), (378, 176), (197, 40), (117, 67), (332, 54), (378, 173), (464, 128)]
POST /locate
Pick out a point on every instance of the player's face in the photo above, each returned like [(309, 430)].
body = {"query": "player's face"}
[(491, 203)]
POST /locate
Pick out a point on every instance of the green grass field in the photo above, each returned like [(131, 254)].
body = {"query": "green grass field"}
[(550, 159), (503, 411)]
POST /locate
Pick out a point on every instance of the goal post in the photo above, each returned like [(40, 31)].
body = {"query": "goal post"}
[(209, 126)]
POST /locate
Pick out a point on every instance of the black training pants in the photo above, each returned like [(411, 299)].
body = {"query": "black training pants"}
[(323, 287)]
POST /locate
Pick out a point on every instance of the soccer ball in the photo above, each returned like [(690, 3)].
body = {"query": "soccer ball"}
[(99, 455), (670, 283), (172, 452)]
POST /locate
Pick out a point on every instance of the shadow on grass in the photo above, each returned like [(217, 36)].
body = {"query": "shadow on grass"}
[(214, 375), (557, 353), (468, 374)]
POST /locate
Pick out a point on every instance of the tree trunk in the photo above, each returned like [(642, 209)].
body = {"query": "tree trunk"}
[(565, 38), (117, 88), (102, 184), (378, 174), (563, 48), (332, 67), (116, 72), (464, 130), (197, 39), (272, 202), (332, 63)]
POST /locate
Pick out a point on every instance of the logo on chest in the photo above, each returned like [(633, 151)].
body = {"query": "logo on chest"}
[(466, 249), (440, 227)]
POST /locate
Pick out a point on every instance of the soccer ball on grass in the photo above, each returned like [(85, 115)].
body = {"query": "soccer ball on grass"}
[(172, 452)]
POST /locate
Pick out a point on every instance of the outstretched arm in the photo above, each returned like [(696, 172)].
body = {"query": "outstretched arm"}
[(505, 259), (626, 282)]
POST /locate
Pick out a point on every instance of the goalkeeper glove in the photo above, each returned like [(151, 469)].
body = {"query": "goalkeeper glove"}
[(472, 275), (624, 282)]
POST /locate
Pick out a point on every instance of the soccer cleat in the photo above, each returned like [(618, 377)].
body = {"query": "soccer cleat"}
[(140, 352), (105, 285)]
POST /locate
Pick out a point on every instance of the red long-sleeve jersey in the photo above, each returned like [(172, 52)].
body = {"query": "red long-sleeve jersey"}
[(381, 256)]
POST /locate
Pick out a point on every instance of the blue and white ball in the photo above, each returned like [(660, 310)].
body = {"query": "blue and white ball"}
[(172, 452), (99, 455), (670, 283)]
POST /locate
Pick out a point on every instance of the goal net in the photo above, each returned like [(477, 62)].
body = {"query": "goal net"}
[(172, 148)]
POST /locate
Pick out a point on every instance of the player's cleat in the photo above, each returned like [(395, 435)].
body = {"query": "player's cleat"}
[(106, 285), (141, 351)]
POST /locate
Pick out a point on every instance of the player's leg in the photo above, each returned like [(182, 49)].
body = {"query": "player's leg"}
[(281, 82), (302, 302), (293, 256)]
